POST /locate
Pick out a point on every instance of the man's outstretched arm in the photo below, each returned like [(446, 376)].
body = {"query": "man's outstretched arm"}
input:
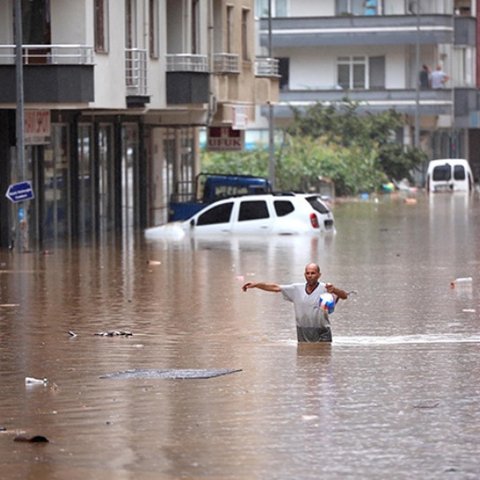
[(268, 287)]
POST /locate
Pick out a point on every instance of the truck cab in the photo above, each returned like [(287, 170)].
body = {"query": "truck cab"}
[(191, 197)]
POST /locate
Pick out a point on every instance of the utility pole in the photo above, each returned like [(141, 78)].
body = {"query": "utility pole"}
[(22, 223), (417, 89), (271, 139)]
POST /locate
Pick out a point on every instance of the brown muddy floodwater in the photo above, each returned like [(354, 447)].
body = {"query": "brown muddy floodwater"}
[(395, 396)]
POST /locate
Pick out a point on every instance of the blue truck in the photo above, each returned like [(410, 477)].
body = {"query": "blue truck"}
[(191, 197)]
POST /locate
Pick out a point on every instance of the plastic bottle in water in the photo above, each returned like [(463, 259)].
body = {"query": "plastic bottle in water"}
[(461, 282)]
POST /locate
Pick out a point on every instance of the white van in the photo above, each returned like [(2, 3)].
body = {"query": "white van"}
[(449, 175)]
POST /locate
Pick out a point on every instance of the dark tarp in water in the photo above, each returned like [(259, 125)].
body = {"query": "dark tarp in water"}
[(170, 373)]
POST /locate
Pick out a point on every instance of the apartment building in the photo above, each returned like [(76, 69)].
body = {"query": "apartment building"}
[(114, 94), (372, 52)]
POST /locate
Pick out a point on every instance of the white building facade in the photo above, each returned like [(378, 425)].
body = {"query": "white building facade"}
[(372, 52), (122, 87)]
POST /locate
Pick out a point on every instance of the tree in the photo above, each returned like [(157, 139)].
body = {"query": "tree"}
[(344, 125)]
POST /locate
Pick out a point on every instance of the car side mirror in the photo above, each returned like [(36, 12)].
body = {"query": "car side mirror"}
[(192, 222)]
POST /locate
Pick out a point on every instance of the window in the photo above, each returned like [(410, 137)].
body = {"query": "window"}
[(279, 8), (154, 27), (376, 72), (442, 173), (101, 26), (356, 7), (130, 23), (317, 205), (195, 27), (229, 29), (283, 207), (352, 72), (458, 172), (253, 210), (284, 72), (245, 35), (218, 214)]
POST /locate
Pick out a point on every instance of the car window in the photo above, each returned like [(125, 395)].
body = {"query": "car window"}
[(253, 210), (317, 204), (219, 214), (441, 173), (459, 172), (283, 207)]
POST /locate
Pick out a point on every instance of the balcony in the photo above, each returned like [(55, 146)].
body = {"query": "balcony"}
[(266, 67), (136, 77), (226, 63), (368, 30), (431, 102), (187, 79), (51, 74)]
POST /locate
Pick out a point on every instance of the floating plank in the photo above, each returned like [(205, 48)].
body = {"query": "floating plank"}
[(173, 373)]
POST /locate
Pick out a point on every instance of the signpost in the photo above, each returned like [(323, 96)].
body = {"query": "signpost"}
[(22, 190), (19, 192)]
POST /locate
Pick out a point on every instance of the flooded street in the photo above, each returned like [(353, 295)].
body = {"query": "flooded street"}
[(395, 395)]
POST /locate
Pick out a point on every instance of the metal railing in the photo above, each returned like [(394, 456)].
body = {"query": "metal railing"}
[(136, 71), (48, 54), (186, 62), (266, 67), (226, 63)]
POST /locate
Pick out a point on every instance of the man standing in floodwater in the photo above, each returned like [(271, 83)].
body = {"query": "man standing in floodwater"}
[(313, 324)]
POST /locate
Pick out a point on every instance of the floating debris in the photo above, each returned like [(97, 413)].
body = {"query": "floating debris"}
[(31, 439), (115, 333), (171, 373), (153, 262), (35, 381), (427, 406), (71, 333), (461, 282)]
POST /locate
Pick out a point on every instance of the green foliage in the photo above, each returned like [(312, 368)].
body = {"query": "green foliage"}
[(357, 151), (248, 162), (345, 126), (353, 169)]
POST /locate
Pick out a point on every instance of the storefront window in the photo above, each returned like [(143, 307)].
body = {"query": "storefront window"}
[(56, 221)]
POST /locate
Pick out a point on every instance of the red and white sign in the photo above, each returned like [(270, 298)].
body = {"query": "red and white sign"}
[(37, 127), (222, 139)]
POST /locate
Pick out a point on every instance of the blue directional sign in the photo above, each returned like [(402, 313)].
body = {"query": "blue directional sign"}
[(19, 192)]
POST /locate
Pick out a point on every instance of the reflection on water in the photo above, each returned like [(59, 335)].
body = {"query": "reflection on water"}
[(395, 394)]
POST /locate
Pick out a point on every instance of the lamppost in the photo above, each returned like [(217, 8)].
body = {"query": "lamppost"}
[(416, 140), (271, 140)]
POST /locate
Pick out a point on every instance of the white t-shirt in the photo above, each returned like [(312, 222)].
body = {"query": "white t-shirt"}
[(437, 78), (307, 310)]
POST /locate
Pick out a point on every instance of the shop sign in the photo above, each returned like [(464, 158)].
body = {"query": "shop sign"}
[(222, 139), (37, 127)]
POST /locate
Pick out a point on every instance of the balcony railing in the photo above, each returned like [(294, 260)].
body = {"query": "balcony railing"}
[(266, 67), (430, 102), (136, 71), (186, 62), (226, 63), (48, 54)]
